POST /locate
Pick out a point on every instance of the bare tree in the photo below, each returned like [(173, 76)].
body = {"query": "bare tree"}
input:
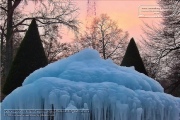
[(105, 36), (164, 41), (60, 13)]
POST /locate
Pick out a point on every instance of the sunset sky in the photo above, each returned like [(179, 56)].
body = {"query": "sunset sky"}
[(124, 12)]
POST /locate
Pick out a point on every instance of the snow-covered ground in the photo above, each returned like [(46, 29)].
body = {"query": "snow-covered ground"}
[(87, 87)]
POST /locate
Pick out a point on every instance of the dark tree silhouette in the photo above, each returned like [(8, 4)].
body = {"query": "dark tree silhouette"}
[(133, 58), (30, 56), (13, 22)]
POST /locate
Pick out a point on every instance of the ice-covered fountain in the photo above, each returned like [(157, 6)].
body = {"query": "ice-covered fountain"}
[(86, 87)]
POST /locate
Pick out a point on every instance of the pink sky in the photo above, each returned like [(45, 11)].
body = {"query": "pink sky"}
[(124, 12)]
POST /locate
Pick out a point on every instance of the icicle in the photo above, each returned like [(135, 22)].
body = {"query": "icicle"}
[(71, 112), (139, 113)]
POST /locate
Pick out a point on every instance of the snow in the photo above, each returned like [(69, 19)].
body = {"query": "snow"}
[(92, 89)]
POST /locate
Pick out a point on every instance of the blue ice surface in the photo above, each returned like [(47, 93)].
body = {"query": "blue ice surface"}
[(87, 66), (85, 81)]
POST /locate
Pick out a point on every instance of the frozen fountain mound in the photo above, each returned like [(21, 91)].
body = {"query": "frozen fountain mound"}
[(85, 81), (87, 66)]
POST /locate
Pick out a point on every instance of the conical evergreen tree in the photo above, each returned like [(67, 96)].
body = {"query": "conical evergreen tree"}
[(133, 58), (30, 56)]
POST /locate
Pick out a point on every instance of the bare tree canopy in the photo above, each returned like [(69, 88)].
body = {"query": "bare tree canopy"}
[(164, 43), (105, 36)]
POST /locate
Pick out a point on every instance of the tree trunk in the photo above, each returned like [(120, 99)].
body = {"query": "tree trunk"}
[(2, 43), (9, 41), (2, 54), (103, 45), (9, 37)]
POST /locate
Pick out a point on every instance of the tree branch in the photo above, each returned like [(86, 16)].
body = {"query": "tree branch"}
[(16, 3), (56, 21), (168, 51), (20, 23), (3, 8)]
